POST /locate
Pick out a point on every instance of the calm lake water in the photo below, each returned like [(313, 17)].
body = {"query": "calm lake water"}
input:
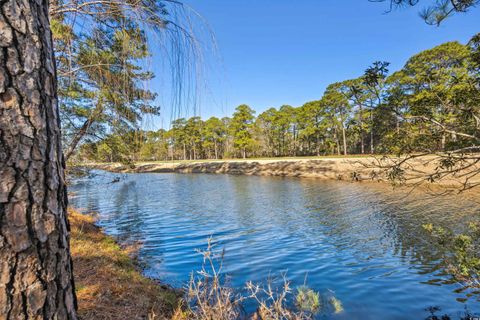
[(361, 242)]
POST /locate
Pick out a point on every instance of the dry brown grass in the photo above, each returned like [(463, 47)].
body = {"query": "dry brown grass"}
[(108, 283)]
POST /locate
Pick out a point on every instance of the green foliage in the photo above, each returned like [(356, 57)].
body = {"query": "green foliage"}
[(241, 129), (431, 105), (463, 259), (308, 300), (440, 97), (101, 48), (214, 136)]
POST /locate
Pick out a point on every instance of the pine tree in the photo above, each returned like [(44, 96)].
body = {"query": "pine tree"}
[(241, 129), (36, 280)]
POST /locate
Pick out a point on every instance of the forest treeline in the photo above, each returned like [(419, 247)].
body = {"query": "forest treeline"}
[(431, 105)]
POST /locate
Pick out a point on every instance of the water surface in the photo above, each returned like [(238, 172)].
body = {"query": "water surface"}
[(361, 242)]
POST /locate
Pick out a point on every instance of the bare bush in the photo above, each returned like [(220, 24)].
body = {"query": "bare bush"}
[(209, 297)]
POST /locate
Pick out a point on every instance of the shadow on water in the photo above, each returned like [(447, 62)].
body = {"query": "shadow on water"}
[(365, 242)]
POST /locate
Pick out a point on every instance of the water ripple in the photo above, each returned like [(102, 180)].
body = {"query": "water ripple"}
[(362, 241)]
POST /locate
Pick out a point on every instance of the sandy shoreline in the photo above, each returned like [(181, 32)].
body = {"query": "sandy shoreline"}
[(331, 168), (347, 169)]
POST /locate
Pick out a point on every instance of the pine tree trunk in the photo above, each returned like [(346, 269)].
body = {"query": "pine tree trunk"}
[(295, 134), (372, 147), (337, 141), (443, 141), (35, 266), (362, 135), (397, 118)]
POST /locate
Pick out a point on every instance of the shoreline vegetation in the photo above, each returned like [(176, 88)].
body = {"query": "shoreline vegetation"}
[(109, 283), (425, 170)]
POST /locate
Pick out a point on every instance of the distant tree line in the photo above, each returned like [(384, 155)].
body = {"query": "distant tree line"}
[(431, 105)]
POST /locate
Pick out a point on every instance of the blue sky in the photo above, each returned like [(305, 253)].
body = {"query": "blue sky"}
[(275, 52)]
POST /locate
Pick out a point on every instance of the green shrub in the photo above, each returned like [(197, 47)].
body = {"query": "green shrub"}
[(307, 299)]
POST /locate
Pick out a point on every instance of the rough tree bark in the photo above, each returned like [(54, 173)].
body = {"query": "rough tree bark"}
[(35, 265)]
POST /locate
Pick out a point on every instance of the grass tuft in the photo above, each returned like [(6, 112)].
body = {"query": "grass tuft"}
[(336, 304), (307, 299)]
